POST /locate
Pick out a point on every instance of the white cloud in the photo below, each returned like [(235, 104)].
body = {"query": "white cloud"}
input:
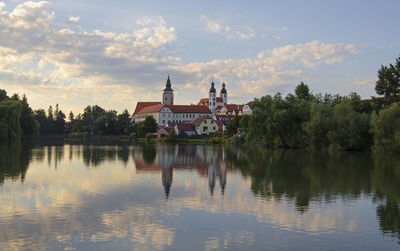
[(49, 63), (364, 83), (281, 66), (244, 32), (32, 42), (73, 20)]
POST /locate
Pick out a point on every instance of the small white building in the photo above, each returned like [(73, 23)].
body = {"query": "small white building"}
[(247, 109), (205, 125)]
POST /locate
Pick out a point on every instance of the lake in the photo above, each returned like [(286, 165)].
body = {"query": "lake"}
[(196, 197)]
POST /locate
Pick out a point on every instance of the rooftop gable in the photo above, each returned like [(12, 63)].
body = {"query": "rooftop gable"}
[(151, 109), (200, 119), (141, 105)]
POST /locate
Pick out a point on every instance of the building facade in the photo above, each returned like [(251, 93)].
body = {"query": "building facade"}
[(213, 102)]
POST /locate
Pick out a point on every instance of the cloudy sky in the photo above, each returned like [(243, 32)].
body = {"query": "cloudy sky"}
[(115, 53)]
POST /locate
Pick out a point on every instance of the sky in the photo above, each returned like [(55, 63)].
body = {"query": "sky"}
[(114, 54)]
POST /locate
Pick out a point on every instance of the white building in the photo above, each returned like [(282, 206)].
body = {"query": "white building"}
[(166, 112), (213, 102)]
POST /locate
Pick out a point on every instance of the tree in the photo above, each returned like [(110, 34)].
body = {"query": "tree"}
[(29, 125), (124, 120), (388, 83), (149, 124), (319, 125), (71, 116), (302, 91), (44, 123), (3, 95), (232, 126), (385, 127), (10, 114), (59, 121), (245, 121), (351, 129)]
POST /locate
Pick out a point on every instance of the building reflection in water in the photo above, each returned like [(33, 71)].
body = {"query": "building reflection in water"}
[(204, 159)]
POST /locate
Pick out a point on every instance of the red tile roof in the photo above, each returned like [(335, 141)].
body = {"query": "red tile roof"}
[(204, 101), (151, 109), (200, 119), (224, 118), (234, 108), (175, 109), (141, 105), (187, 127)]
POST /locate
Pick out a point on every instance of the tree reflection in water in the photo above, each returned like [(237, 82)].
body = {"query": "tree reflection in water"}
[(302, 177), (14, 161)]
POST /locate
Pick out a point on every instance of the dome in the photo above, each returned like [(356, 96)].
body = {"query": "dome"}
[(212, 89), (223, 90)]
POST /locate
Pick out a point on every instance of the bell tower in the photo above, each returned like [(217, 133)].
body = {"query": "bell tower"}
[(212, 98), (168, 94), (224, 94)]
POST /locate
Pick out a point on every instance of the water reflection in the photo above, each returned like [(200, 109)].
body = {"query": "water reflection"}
[(14, 161), (159, 197), (206, 160)]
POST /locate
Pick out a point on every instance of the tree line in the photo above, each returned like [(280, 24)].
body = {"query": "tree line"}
[(303, 119), (17, 119)]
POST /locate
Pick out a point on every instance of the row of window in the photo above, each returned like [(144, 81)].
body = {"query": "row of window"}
[(180, 115), (173, 121), (205, 128)]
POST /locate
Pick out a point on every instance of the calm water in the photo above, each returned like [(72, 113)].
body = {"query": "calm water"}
[(195, 197)]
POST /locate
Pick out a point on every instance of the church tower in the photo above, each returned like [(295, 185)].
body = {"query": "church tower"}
[(224, 94), (212, 98), (168, 95)]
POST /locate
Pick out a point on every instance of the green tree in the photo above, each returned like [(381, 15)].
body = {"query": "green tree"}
[(351, 129), (59, 121), (10, 115), (385, 127), (71, 116), (28, 123), (149, 124), (124, 120), (3, 95), (232, 126), (319, 125), (245, 121), (388, 83), (302, 91)]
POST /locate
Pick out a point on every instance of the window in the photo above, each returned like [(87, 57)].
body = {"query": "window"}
[(205, 128), (163, 121), (166, 98), (212, 122), (214, 103), (214, 128)]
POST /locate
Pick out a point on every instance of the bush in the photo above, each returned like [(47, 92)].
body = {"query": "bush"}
[(171, 136), (149, 136), (215, 140), (238, 139)]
